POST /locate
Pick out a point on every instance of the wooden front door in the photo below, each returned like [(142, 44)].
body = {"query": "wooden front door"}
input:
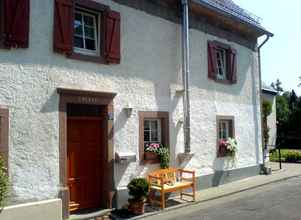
[(86, 156)]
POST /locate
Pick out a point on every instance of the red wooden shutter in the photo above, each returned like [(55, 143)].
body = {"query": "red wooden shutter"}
[(232, 65), (16, 23), (112, 37), (212, 65), (63, 26)]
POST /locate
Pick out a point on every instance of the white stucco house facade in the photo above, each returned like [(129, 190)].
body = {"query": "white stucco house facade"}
[(86, 81)]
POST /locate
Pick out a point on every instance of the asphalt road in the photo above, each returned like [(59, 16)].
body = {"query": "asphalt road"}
[(278, 201)]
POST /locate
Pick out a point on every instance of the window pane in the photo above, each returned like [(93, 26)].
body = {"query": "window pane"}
[(89, 20), (78, 30), (78, 24), (90, 44), (146, 125), (146, 136), (78, 42), (155, 136), (89, 32), (78, 18), (154, 125)]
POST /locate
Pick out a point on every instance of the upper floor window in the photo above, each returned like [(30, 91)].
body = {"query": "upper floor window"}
[(14, 23), (221, 59), (87, 30), (222, 62)]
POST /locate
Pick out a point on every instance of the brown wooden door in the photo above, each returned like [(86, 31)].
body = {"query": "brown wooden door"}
[(85, 162)]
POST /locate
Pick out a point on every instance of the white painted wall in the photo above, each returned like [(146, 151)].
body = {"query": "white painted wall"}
[(146, 79), (272, 119)]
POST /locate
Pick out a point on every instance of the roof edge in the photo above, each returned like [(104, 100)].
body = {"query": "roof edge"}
[(260, 30)]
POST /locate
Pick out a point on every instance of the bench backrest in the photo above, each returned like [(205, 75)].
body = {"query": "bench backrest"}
[(168, 175)]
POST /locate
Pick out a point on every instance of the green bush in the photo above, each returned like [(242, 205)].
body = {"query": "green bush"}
[(289, 156), (3, 183), (138, 189)]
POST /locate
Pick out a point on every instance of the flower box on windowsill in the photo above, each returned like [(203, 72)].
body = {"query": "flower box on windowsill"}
[(151, 157), (227, 148)]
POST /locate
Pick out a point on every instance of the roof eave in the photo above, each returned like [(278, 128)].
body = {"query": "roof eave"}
[(259, 30)]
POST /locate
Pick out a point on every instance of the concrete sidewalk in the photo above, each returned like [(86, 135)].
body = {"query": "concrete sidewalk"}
[(288, 171)]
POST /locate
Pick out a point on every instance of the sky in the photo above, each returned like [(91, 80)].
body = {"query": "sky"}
[(281, 55)]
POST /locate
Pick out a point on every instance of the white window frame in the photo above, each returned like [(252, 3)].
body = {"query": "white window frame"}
[(159, 131), (97, 21), (221, 63)]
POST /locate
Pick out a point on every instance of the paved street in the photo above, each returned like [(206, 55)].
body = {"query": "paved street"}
[(277, 201)]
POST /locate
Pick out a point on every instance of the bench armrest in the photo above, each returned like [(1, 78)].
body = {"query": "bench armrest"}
[(192, 173), (158, 179)]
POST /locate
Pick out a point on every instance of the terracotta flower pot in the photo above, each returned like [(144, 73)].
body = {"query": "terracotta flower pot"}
[(136, 207), (151, 156)]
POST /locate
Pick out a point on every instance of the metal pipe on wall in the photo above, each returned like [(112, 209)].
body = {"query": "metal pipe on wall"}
[(264, 149), (185, 73)]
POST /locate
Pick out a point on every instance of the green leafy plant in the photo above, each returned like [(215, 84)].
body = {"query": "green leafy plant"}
[(164, 157), (138, 189), (4, 183), (266, 111), (289, 156)]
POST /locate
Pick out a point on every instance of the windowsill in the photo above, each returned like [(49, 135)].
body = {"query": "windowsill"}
[(85, 57)]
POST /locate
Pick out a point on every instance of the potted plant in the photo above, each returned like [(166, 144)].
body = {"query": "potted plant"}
[(150, 152), (164, 157), (227, 148), (138, 190)]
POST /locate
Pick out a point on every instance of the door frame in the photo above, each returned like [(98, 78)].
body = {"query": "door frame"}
[(71, 96)]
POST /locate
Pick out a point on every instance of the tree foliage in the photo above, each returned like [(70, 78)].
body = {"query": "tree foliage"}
[(288, 106)]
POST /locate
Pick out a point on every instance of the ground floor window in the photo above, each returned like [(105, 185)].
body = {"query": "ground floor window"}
[(225, 127), (225, 130), (153, 129)]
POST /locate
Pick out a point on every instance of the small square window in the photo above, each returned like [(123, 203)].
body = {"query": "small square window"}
[(153, 129), (225, 128), (86, 32)]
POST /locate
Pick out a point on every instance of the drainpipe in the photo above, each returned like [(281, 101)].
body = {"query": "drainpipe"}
[(265, 170), (185, 73)]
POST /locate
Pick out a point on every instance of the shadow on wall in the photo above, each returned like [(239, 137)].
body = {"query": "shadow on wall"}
[(220, 167), (51, 104)]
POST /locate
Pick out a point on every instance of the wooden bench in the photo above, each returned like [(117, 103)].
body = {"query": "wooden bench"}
[(171, 180)]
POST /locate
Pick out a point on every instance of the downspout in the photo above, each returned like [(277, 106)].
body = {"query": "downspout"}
[(185, 74), (264, 150)]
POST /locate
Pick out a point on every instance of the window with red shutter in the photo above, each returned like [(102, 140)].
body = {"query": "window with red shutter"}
[(112, 35), (87, 30), (222, 62), (15, 23)]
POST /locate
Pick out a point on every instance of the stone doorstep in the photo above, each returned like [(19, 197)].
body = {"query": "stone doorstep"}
[(98, 215)]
